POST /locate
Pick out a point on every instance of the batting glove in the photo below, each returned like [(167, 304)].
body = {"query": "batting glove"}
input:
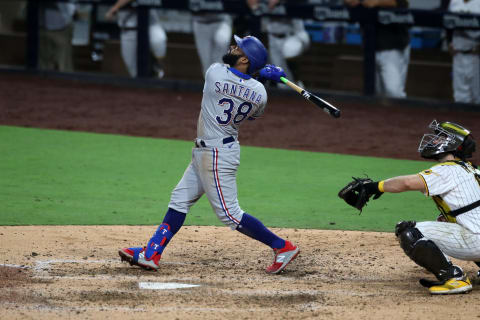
[(272, 72)]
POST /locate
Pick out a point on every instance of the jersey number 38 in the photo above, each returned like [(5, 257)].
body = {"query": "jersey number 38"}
[(229, 111)]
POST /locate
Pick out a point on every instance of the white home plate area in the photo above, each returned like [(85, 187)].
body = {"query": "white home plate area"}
[(165, 285)]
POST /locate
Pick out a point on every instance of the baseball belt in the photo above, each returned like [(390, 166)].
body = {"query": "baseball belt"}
[(199, 143)]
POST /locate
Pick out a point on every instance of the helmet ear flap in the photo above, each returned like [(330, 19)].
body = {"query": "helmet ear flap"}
[(467, 148)]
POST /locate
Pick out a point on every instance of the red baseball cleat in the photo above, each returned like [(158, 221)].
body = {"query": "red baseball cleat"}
[(283, 257), (136, 256)]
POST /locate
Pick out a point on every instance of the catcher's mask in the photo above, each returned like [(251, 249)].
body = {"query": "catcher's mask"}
[(447, 137)]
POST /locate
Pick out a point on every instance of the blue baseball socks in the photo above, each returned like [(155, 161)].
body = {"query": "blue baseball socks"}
[(254, 228), (172, 222)]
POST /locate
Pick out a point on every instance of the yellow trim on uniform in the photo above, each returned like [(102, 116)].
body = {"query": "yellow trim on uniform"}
[(380, 186), (444, 208), (455, 128), (425, 183), (429, 171)]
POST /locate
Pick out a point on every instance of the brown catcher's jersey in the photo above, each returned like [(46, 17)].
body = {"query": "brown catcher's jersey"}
[(454, 185)]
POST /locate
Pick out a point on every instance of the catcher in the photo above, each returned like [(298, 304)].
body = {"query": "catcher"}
[(454, 185)]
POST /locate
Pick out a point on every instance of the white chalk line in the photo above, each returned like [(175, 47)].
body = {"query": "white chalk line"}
[(41, 307), (88, 277), (42, 269), (165, 285), (43, 265), (287, 293), (16, 266), (125, 309), (105, 277), (265, 292), (40, 265)]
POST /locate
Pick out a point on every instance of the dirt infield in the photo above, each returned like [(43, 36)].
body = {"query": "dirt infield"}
[(75, 273)]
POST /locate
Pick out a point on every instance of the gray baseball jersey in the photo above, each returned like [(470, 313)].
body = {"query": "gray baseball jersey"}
[(229, 98), (453, 186)]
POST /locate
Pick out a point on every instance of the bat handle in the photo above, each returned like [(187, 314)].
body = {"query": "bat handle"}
[(292, 85)]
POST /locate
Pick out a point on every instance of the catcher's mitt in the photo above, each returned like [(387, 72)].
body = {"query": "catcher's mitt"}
[(358, 192)]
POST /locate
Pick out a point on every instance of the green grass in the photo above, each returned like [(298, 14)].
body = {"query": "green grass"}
[(51, 177)]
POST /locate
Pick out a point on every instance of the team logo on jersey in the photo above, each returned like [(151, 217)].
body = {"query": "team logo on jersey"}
[(388, 17), (323, 13), (150, 2), (451, 21), (197, 5)]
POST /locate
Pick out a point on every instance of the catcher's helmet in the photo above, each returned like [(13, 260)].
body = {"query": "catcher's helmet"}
[(254, 50), (448, 137)]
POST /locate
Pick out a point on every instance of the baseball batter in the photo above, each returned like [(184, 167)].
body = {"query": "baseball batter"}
[(466, 56), (454, 185), (230, 97)]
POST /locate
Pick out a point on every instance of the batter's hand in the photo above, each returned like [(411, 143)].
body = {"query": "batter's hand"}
[(272, 72)]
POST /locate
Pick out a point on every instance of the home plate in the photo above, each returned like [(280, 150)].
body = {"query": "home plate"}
[(164, 285)]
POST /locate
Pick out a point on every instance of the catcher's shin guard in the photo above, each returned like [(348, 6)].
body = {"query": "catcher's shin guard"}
[(425, 252)]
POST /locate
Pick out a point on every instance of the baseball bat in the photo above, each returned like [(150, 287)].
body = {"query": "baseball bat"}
[(319, 102)]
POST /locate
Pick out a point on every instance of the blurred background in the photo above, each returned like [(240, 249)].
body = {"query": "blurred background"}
[(325, 45)]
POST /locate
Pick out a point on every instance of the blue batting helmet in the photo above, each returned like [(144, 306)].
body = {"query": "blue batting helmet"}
[(254, 50)]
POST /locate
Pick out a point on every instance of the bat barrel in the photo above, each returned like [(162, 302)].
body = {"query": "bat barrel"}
[(326, 106)]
